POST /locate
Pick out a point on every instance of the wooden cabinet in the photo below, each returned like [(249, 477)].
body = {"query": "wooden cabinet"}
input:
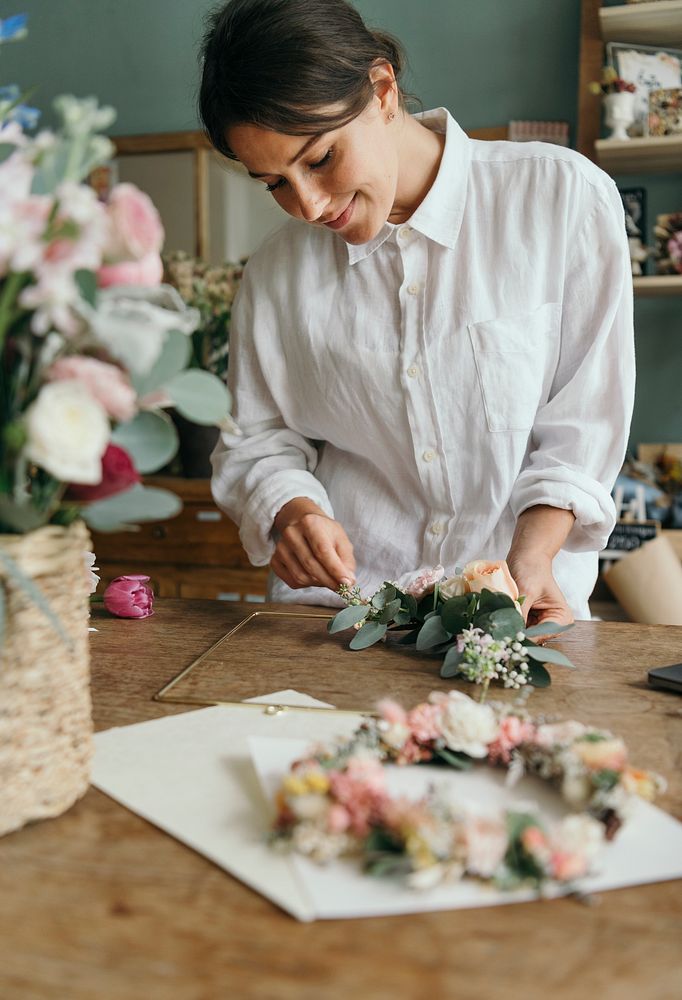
[(196, 554), (653, 23)]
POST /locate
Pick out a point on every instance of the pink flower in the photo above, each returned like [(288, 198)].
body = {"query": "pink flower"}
[(147, 271), (118, 474), (105, 382), (424, 722), (424, 582), (566, 866), (128, 597), (675, 250), (392, 712), (338, 819), (511, 733), (135, 225)]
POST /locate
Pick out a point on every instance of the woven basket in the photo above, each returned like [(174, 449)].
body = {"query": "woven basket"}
[(45, 710)]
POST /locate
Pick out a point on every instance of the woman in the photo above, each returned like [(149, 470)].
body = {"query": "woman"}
[(433, 361)]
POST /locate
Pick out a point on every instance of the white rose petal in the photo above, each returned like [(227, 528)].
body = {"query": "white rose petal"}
[(467, 727), (68, 432)]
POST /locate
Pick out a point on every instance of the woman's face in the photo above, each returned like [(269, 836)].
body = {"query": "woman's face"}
[(345, 179)]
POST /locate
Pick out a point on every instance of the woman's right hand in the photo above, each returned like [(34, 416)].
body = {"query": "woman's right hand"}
[(313, 550)]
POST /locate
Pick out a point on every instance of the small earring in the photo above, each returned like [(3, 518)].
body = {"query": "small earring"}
[(391, 116)]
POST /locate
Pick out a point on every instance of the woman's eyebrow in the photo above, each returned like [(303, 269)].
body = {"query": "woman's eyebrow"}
[(304, 148)]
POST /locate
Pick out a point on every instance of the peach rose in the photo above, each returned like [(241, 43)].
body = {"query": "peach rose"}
[(610, 755), (490, 575), (135, 225)]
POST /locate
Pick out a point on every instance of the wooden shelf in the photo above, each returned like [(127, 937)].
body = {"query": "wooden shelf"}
[(654, 23), (646, 155), (657, 285)]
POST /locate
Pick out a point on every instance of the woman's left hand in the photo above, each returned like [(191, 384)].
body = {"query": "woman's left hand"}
[(544, 601)]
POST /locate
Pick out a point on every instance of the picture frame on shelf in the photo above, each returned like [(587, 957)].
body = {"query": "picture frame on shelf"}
[(649, 68), (665, 111), (634, 206)]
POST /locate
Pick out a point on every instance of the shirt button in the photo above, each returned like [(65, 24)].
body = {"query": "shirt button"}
[(413, 371), (429, 455), (413, 289), (404, 232), (437, 528)]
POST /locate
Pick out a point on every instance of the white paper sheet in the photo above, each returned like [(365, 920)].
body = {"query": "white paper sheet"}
[(193, 776)]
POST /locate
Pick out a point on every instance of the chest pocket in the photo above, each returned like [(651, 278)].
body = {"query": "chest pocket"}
[(515, 357)]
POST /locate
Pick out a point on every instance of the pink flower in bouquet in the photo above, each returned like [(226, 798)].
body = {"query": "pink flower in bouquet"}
[(129, 597), (135, 225), (107, 383), (486, 845), (421, 583), (147, 271), (675, 250), (424, 722), (118, 474), (511, 733), (600, 755), (490, 575)]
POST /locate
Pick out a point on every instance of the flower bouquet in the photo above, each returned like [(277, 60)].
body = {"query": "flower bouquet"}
[(472, 619), (336, 802), (92, 349), (668, 236)]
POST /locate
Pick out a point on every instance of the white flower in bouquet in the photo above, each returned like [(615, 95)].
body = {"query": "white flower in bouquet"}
[(68, 432), (466, 726)]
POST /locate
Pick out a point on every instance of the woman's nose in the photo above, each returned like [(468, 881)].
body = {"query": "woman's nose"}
[(311, 202)]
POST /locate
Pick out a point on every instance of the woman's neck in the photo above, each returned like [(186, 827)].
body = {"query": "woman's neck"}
[(420, 151)]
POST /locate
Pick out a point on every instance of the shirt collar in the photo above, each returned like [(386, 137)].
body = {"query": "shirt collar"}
[(439, 217)]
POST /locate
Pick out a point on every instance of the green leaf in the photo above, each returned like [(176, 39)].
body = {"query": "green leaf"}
[(384, 596), (545, 655), (172, 360), (6, 150), (199, 396), (605, 779), (450, 666), (408, 602), (21, 517), (390, 611), (501, 624), (35, 594), (546, 628), (455, 613), (402, 618), (492, 600), (460, 761), (140, 503), (87, 285), (539, 677), (370, 633), (431, 634), (150, 439), (348, 617)]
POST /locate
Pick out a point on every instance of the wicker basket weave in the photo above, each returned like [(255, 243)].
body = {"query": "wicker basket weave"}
[(45, 709)]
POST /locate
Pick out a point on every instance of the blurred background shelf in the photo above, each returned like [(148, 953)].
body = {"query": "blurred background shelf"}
[(656, 23), (645, 154), (657, 285)]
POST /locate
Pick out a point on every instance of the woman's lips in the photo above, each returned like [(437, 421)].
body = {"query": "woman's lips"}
[(343, 219)]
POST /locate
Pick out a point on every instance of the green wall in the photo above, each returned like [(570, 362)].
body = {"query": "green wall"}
[(487, 60)]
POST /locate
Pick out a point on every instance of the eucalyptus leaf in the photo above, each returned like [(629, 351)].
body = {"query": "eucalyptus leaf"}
[(87, 285), (390, 611), (35, 594), (199, 396), (451, 663), (539, 677), (370, 633), (546, 628), (21, 517), (402, 617), (150, 439), (455, 613), (348, 617), (6, 150), (502, 624), (173, 359), (140, 503), (491, 600), (545, 655), (432, 633), (384, 596)]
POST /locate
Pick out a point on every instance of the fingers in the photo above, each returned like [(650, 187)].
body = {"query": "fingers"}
[(314, 552)]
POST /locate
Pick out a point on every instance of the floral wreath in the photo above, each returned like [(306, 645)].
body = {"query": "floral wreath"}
[(335, 803)]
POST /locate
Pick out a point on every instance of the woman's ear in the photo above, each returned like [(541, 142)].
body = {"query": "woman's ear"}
[(385, 87)]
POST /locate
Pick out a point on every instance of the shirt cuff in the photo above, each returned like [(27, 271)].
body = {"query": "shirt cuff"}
[(265, 503), (592, 505)]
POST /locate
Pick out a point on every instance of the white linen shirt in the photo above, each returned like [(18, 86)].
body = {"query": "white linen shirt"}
[(427, 387)]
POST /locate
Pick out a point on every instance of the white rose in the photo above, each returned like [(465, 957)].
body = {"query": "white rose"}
[(454, 586), (466, 726), (68, 432), (133, 322)]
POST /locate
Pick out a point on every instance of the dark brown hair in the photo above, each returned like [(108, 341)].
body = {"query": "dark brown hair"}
[(277, 63)]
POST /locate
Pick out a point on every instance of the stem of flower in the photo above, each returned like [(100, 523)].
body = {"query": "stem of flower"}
[(484, 690), (10, 290)]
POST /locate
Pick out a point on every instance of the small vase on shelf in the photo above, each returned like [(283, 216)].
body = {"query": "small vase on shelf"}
[(619, 113)]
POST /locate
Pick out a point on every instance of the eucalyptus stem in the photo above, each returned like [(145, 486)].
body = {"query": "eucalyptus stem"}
[(10, 290), (484, 690)]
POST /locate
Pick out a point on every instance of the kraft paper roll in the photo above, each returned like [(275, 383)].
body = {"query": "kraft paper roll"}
[(648, 583)]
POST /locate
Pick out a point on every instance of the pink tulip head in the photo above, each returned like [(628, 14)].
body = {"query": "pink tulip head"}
[(129, 597)]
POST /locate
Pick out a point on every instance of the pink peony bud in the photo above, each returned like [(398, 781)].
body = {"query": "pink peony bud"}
[(128, 597), (147, 271), (118, 474), (135, 225)]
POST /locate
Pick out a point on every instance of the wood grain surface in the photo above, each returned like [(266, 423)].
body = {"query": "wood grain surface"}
[(100, 905)]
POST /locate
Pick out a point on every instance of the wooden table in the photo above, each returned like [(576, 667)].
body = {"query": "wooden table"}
[(100, 905)]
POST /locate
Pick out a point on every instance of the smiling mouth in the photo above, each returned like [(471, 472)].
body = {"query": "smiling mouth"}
[(341, 220)]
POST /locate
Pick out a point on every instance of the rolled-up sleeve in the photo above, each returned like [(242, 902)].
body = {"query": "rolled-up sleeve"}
[(259, 470), (580, 434)]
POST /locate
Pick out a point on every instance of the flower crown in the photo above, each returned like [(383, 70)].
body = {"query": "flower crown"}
[(335, 802)]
